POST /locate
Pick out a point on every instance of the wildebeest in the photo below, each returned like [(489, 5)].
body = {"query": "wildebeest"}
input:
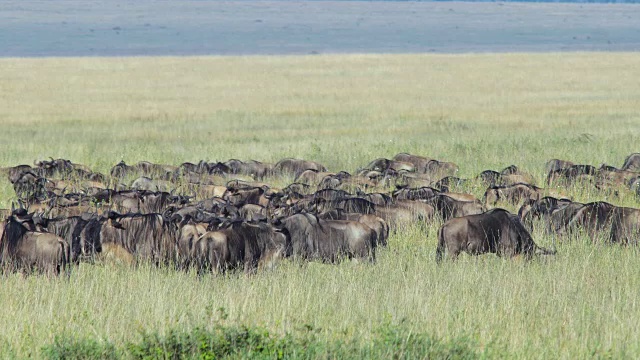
[(571, 174), (556, 164), (135, 237), (144, 168), (632, 163), (448, 207), (447, 183), (24, 249), (239, 244), (421, 193), (625, 226), (313, 238), (419, 162), (253, 168), (512, 194), (295, 167), (562, 216), (70, 229), (383, 165), (439, 169), (495, 231)]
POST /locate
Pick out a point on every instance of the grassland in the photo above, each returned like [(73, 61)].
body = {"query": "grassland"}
[(480, 111)]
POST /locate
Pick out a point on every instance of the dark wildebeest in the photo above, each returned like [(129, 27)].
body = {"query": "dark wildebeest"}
[(421, 193), (625, 226), (632, 163), (448, 207), (561, 216), (253, 168), (295, 167), (133, 237), (15, 172), (70, 229), (24, 249), (556, 164), (446, 183), (611, 177), (490, 177), (593, 218), (571, 174), (312, 238), (548, 209), (495, 231), (31, 187), (144, 168), (239, 244), (508, 176), (512, 194)]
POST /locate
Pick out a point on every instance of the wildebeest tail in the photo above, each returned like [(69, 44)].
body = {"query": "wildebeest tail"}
[(440, 248)]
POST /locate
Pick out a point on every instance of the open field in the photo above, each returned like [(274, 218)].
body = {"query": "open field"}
[(479, 111)]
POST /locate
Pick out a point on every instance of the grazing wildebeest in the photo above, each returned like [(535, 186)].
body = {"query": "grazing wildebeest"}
[(421, 193), (571, 174), (419, 162), (295, 167), (313, 238), (253, 168), (239, 244), (24, 249), (439, 169), (625, 226), (133, 237), (70, 229), (448, 182), (448, 207), (556, 164), (593, 218), (632, 163), (312, 177), (495, 231), (610, 176), (512, 194), (548, 209)]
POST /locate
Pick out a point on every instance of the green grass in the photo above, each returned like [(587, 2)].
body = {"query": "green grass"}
[(479, 111)]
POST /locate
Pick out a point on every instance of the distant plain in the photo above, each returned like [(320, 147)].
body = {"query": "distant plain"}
[(151, 28)]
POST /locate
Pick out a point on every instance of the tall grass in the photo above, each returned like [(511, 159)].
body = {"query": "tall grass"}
[(480, 111)]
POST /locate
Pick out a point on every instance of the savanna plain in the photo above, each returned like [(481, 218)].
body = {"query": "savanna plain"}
[(480, 111)]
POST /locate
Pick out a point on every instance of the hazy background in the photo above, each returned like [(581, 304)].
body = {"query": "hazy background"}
[(121, 28)]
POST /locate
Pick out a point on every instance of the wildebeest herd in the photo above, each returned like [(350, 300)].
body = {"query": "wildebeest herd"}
[(220, 216)]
